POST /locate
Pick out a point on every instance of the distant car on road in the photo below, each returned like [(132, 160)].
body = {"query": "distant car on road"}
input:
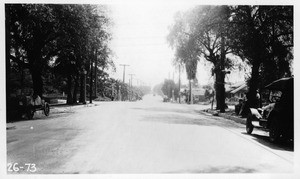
[(278, 116)]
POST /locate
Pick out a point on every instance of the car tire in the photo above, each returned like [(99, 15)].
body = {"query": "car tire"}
[(249, 126), (46, 109), (30, 114), (274, 133)]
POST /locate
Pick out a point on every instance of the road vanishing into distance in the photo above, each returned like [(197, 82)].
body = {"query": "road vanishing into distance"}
[(141, 137)]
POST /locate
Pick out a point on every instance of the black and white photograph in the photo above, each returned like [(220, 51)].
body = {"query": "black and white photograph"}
[(158, 89)]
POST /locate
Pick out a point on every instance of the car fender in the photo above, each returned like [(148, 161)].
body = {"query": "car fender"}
[(255, 113)]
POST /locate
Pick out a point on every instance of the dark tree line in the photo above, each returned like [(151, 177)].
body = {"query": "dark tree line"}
[(262, 36), (59, 45), (117, 90)]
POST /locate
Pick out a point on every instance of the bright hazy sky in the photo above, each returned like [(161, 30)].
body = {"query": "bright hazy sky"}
[(139, 40), (140, 32)]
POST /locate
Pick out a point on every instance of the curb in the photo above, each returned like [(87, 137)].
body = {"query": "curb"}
[(233, 118), (63, 107), (226, 116), (71, 106)]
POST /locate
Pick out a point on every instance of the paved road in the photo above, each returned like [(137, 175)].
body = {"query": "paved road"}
[(141, 137)]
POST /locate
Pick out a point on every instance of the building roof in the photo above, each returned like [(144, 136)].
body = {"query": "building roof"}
[(242, 88)]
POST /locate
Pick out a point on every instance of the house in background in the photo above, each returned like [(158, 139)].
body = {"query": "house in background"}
[(199, 94), (237, 91)]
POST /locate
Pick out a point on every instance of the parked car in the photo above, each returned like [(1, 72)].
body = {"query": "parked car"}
[(27, 107), (278, 116)]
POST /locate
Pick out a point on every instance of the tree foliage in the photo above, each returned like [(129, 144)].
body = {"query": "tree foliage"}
[(62, 40), (169, 88), (260, 35), (263, 35), (202, 33)]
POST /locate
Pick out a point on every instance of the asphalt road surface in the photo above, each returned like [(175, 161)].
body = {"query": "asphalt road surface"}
[(147, 136)]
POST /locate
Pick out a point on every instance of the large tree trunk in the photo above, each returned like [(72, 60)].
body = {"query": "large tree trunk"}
[(69, 91), (190, 96), (220, 90), (220, 78), (37, 81), (253, 86), (91, 81), (221, 81), (35, 56), (217, 89), (95, 89), (7, 51), (76, 89), (81, 98)]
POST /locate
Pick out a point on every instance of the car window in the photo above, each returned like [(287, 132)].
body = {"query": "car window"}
[(275, 96)]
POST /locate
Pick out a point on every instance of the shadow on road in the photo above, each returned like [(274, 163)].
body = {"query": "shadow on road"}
[(158, 109), (281, 145), (189, 120), (221, 169)]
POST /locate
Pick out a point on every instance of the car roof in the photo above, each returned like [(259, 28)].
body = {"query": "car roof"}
[(280, 84)]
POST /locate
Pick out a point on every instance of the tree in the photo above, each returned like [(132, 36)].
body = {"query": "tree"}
[(58, 39), (169, 88), (32, 29), (185, 49), (202, 33), (264, 36)]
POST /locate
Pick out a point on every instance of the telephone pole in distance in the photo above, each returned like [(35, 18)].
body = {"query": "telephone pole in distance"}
[(124, 66)]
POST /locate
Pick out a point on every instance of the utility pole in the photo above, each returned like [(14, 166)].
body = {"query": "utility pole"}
[(124, 66), (131, 86), (131, 79), (179, 81)]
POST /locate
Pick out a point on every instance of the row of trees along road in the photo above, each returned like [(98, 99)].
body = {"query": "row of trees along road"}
[(117, 90), (56, 45), (261, 36)]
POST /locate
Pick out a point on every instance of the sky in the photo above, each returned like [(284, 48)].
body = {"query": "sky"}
[(139, 40)]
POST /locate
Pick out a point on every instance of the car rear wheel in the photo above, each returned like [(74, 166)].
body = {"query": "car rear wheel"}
[(274, 132), (249, 126), (30, 114), (46, 109)]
